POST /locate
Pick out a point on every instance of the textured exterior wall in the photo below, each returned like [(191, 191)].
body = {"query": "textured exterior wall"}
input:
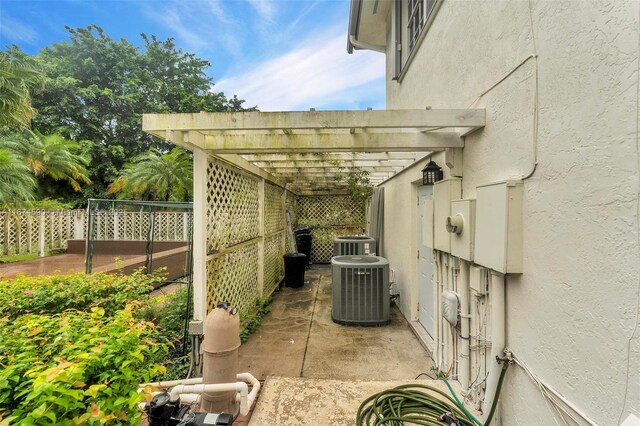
[(572, 312)]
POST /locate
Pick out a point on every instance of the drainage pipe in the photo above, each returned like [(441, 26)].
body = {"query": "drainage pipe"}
[(498, 339), (465, 318)]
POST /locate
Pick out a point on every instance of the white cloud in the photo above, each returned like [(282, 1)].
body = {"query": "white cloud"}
[(17, 31), (265, 8), (196, 24), (318, 73)]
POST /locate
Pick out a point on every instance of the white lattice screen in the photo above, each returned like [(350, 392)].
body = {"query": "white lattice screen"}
[(232, 207), (236, 235), (22, 230), (329, 217), (233, 277)]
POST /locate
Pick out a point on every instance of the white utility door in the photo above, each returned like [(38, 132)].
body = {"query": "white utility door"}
[(425, 256)]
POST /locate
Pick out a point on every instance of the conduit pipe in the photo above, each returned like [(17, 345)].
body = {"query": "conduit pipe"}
[(465, 318), (497, 297)]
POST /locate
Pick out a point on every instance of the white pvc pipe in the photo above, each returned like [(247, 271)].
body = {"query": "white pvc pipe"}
[(497, 298), (255, 386), (464, 355), (189, 390), (171, 383)]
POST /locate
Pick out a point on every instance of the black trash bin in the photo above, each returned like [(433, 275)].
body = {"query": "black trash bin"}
[(304, 241), (294, 264), (304, 247)]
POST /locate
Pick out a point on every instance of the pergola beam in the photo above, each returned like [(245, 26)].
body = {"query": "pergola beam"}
[(335, 156), (282, 171), (359, 142), (257, 120), (368, 164)]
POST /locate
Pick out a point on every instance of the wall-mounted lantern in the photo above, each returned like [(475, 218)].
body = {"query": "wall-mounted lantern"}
[(431, 173)]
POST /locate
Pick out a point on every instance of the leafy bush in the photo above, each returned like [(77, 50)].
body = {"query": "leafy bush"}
[(75, 367), (249, 321), (168, 312), (54, 294)]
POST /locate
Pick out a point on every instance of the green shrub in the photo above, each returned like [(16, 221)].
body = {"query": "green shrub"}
[(54, 294), (249, 321), (168, 312), (75, 367)]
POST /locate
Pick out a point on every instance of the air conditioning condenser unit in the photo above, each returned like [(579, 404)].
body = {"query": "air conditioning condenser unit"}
[(360, 290), (354, 245)]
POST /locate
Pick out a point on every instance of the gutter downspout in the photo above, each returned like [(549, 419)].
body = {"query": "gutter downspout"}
[(497, 295)]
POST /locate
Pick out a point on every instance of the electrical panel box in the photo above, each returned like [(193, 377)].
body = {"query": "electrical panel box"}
[(498, 236), (462, 228), (443, 192), (478, 282)]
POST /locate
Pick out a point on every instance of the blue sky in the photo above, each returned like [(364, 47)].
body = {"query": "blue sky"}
[(276, 54)]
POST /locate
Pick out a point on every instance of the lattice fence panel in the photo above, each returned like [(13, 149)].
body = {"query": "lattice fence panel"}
[(232, 207), (291, 205), (22, 230), (322, 248), (329, 217), (330, 211), (170, 226), (103, 225), (12, 235), (273, 263), (233, 277), (273, 209)]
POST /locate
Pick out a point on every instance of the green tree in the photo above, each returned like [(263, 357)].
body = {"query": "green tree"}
[(18, 77), (50, 158), (100, 88), (156, 176), (17, 184)]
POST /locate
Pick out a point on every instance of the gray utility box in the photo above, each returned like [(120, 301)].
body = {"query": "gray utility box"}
[(354, 245), (360, 290)]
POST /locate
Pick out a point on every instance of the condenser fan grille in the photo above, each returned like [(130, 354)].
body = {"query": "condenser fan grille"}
[(361, 294)]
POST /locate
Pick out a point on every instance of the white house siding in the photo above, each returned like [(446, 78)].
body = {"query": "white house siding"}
[(572, 312)]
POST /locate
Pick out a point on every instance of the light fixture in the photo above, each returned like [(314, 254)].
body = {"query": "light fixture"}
[(431, 173)]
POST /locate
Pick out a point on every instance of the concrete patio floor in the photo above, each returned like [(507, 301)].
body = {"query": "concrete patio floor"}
[(299, 348), (297, 338)]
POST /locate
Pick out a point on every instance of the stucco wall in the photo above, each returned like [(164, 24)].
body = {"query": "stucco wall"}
[(572, 312)]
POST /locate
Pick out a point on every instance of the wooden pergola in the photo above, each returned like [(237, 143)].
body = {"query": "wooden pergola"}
[(308, 151), (303, 152)]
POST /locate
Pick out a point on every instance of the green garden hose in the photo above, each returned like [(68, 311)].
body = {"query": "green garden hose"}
[(412, 404)]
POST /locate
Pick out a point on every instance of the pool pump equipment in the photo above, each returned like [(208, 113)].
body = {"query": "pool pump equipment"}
[(217, 397)]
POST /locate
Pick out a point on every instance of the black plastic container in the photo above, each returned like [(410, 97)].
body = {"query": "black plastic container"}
[(304, 242), (294, 264)]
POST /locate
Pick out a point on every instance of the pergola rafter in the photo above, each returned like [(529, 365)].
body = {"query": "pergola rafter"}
[(308, 151)]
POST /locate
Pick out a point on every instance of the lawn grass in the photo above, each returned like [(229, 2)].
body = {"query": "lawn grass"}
[(18, 258), (30, 256)]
